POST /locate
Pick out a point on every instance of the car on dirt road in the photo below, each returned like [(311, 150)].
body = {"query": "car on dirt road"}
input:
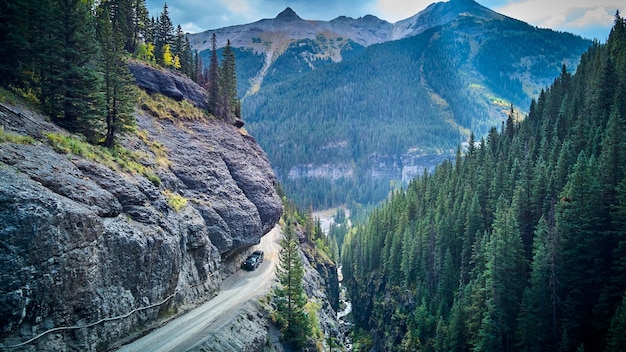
[(253, 260)]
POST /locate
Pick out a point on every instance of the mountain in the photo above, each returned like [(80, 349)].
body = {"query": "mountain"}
[(351, 108), (517, 245), (271, 38), (89, 234)]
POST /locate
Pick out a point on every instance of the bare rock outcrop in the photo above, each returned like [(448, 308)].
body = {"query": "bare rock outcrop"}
[(103, 253), (168, 83)]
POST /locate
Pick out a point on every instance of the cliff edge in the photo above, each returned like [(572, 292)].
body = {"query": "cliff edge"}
[(102, 251)]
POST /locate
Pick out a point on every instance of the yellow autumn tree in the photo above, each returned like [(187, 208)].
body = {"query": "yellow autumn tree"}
[(168, 58)]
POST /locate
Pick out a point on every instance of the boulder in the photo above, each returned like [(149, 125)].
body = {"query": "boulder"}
[(168, 83)]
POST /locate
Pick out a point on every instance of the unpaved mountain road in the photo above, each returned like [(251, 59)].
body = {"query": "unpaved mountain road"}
[(185, 331)]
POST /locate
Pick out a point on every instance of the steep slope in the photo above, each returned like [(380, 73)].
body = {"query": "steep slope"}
[(288, 44), (518, 245), (87, 242), (346, 130)]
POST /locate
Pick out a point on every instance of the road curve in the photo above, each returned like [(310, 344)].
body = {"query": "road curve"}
[(185, 331)]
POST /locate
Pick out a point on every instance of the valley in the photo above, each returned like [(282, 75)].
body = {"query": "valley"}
[(350, 109), (444, 182)]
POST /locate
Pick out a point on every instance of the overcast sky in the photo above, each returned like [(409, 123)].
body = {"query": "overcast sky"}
[(588, 18)]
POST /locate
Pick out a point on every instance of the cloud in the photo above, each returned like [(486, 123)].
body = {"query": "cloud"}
[(595, 16), (237, 6), (560, 15), (396, 10)]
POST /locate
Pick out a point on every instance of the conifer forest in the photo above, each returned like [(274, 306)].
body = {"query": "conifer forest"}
[(519, 244), (70, 58)]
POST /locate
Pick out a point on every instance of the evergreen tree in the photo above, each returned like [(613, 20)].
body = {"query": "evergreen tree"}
[(537, 329), (117, 78), (228, 85), (553, 185), (150, 31), (187, 62), (616, 339), (163, 34), (213, 89), (179, 41), (504, 282), (581, 257), (141, 24), (70, 86), (15, 27), (130, 19), (289, 294)]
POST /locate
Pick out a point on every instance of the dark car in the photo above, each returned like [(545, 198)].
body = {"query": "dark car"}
[(253, 260)]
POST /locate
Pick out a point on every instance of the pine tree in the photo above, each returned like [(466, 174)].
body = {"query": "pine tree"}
[(187, 63), (163, 34), (289, 294), (179, 41), (70, 86), (228, 85), (117, 78), (15, 24), (537, 325), (581, 252), (141, 24), (616, 339), (130, 19), (213, 89), (503, 282)]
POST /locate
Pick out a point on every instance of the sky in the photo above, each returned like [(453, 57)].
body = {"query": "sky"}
[(588, 18)]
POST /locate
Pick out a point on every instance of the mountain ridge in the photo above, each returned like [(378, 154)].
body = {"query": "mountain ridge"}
[(334, 114), (435, 14)]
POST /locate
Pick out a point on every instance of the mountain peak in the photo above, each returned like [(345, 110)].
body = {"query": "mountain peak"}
[(438, 14), (288, 15), (466, 5)]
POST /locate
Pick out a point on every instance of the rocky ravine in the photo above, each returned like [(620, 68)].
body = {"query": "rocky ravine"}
[(81, 242), (249, 328)]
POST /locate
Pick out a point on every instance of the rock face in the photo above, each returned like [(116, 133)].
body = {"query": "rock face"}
[(321, 285), (247, 330), (250, 328), (81, 242), (168, 83)]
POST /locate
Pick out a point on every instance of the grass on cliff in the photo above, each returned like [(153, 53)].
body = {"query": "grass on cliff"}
[(156, 147), (175, 200), (15, 138), (20, 96), (160, 106), (116, 158)]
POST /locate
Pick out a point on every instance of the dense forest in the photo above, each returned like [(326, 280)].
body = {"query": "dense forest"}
[(519, 244), (401, 99), (70, 59)]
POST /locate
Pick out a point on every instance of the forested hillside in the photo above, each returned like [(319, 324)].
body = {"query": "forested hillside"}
[(353, 130), (517, 245)]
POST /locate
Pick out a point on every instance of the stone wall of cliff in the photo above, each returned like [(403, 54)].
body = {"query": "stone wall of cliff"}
[(81, 242)]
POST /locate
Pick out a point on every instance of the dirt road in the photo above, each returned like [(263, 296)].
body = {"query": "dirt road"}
[(183, 332)]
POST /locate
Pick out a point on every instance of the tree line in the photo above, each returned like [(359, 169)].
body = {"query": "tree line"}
[(71, 57), (519, 244)]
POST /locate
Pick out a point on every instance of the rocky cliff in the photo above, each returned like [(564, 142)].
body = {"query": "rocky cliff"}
[(250, 328), (100, 253)]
